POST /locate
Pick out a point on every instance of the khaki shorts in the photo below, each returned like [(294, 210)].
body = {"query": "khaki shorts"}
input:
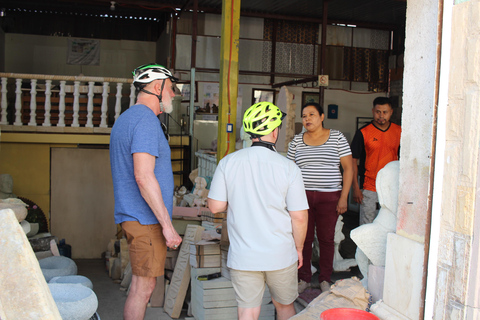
[(249, 286), (147, 248)]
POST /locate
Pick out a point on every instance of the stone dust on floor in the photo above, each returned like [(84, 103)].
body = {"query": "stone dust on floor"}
[(111, 298)]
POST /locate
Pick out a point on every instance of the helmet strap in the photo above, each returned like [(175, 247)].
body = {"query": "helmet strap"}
[(159, 96), (266, 144)]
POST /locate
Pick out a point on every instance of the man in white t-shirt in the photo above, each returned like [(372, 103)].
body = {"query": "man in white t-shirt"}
[(267, 216)]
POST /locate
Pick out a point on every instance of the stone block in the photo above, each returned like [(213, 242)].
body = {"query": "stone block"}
[(442, 292), (25, 293), (445, 248), (19, 210), (455, 311), (465, 208), (74, 301), (376, 276), (25, 226), (127, 276), (215, 298), (57, 266), (34, 227), (472, 313), (42, 243), (381, 310), (116, 272), (461, 256), (157, 298), (403, 275), (73, 279)]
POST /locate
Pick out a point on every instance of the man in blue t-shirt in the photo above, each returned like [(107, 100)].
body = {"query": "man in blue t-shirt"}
[(143, 183)]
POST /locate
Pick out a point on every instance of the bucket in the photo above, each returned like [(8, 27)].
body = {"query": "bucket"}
[(347, 314)]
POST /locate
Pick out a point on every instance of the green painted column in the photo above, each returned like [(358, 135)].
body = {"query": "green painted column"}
[(227, 109)]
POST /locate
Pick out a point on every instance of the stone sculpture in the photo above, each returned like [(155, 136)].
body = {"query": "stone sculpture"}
[(371, 238), (21, 279), (340, 264), (74, 301), (73, 279), (6, 186), (57, 266), (16, 205), (198, 198)]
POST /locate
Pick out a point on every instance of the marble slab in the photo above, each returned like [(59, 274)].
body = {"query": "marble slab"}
[(25, 293), (403, 275)]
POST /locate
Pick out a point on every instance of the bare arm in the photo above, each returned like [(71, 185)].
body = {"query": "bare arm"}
[(299, 227), (217, 206), (357, 193), (347, 165), (144, 165)]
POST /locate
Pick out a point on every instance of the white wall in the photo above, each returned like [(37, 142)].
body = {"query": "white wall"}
[(353, 98), (350, 104), (48, 55)]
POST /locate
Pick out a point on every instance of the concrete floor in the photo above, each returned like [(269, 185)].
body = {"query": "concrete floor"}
[(111, 298)]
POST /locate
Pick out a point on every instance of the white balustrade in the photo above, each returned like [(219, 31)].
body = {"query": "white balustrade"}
[(61, 105), (18, 102), (4, 103), (76, 103), (132, 95), (48, 103), (118, 105), (53, 95), (103, 123), (33, 103), (90, 105)]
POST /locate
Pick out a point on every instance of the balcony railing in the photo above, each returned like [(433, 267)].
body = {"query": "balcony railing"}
[(30, 101)]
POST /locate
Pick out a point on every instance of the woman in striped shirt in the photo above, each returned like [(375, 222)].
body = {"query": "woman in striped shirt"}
[(319, 152)]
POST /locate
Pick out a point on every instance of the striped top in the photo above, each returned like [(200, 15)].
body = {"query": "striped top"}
[(320, 165)]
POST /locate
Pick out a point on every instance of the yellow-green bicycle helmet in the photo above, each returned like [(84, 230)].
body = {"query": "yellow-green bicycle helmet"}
[(262, 118)]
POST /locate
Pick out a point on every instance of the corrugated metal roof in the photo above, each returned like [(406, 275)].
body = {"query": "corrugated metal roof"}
[(390, 13)]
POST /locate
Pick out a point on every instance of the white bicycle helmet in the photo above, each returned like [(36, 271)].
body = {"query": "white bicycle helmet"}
[(149, 72)]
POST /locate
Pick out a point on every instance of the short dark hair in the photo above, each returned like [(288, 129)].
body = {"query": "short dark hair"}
[(382, 101), (313, 104)]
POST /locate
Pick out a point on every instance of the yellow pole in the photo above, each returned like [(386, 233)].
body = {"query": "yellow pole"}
[(227, 109)]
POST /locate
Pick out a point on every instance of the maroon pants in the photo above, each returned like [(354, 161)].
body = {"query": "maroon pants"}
[(323, 217)]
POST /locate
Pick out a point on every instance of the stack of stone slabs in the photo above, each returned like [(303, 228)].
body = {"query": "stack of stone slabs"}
[(215, 299)]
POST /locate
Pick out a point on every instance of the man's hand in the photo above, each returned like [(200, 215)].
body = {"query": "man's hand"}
[(172, 238), (300, 258), (342, 206), (357, 195)]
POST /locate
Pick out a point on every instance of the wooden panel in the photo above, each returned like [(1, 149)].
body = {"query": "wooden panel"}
[(82, 200)]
